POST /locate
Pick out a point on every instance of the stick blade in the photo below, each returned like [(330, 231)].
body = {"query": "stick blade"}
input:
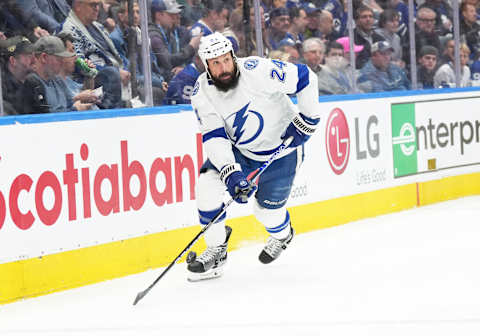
[(140, 296)]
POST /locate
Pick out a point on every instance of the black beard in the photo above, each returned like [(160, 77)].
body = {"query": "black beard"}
[(230, 84)]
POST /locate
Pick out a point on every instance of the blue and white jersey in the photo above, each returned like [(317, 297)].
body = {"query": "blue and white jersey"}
[(180, 88), (255, 114), (340, 16), (200, 27)]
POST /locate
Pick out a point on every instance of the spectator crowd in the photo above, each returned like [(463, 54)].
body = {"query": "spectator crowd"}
[(77, 55)]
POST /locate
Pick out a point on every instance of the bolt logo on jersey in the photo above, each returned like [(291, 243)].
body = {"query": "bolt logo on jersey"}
[(241, 118), (195, 88), (250, 64)]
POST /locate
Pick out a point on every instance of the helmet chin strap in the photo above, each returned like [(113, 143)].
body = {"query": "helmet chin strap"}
[(207, 69)]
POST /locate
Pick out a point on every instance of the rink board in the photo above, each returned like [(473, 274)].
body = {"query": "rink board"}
[(357, 166)]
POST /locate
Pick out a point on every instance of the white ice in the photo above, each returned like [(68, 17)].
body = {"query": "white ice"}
[(415, 272)]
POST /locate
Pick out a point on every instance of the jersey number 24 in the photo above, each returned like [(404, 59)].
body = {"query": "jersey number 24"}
[(279, 74)]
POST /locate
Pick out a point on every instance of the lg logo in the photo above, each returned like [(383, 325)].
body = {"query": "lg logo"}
[(337, 139)]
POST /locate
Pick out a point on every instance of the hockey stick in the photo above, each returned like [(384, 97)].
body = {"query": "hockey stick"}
[(253, 178)]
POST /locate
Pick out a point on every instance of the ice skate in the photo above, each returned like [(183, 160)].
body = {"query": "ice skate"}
[(274, 248), (210, 263)]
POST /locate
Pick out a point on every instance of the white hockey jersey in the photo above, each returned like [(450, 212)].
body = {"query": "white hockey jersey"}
[(255, 114)]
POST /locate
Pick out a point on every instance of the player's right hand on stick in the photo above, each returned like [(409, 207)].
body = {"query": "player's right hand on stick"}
[(237, 184)]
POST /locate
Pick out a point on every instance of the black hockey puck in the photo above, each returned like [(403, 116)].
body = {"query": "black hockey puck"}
[(191, 257)]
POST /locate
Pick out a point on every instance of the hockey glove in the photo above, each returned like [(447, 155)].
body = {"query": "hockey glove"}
[(237, 184), (300, 129)]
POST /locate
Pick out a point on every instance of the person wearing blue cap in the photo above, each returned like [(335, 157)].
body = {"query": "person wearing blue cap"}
[(279, 25), (313, 18)]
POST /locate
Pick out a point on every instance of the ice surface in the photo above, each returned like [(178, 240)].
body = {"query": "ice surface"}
[(415, 272)]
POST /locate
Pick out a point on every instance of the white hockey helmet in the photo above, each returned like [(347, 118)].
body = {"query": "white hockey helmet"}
[(212, 46)]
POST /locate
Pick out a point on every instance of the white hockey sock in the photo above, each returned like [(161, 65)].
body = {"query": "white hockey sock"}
[(276, 221), (216, 234)]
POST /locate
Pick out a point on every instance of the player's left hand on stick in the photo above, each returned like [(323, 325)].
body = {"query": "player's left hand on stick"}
[(300, 129), (237, 184)]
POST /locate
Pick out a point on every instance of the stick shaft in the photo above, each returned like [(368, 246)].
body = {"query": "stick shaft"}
[(252, 177)]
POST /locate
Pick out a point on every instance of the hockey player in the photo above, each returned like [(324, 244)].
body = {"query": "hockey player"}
[(245, 114)]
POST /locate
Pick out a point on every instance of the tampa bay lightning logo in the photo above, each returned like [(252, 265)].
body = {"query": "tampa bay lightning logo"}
[(195, 88), (247, 125), (250, 64)]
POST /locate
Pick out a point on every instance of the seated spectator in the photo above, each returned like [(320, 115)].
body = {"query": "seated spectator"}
[(427, 66), (325, 27), (444, 15), (279, 25), (119, 38), (401, 7), (345, 42), (181, 86), (119, 33), (80, 92), (48, 14), (339, 11), (92, 41), (17, 61), (236, 31), (11, 23), (107, 15), (214, 19), (364, 34), (44, 91), (448, 51), (475, 4), (469, 23), (445, 75), (425, 33), (192, 12), (380, 74), (313, 17), (335, 76), (172, 50), (469, 28), (291, 48), (314, 53), (298, 24), (388, 26)]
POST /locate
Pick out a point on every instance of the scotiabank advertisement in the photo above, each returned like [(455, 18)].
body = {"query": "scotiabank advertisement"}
[(71, 184)]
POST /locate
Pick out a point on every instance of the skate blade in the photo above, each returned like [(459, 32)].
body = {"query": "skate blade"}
[(212, 274)]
